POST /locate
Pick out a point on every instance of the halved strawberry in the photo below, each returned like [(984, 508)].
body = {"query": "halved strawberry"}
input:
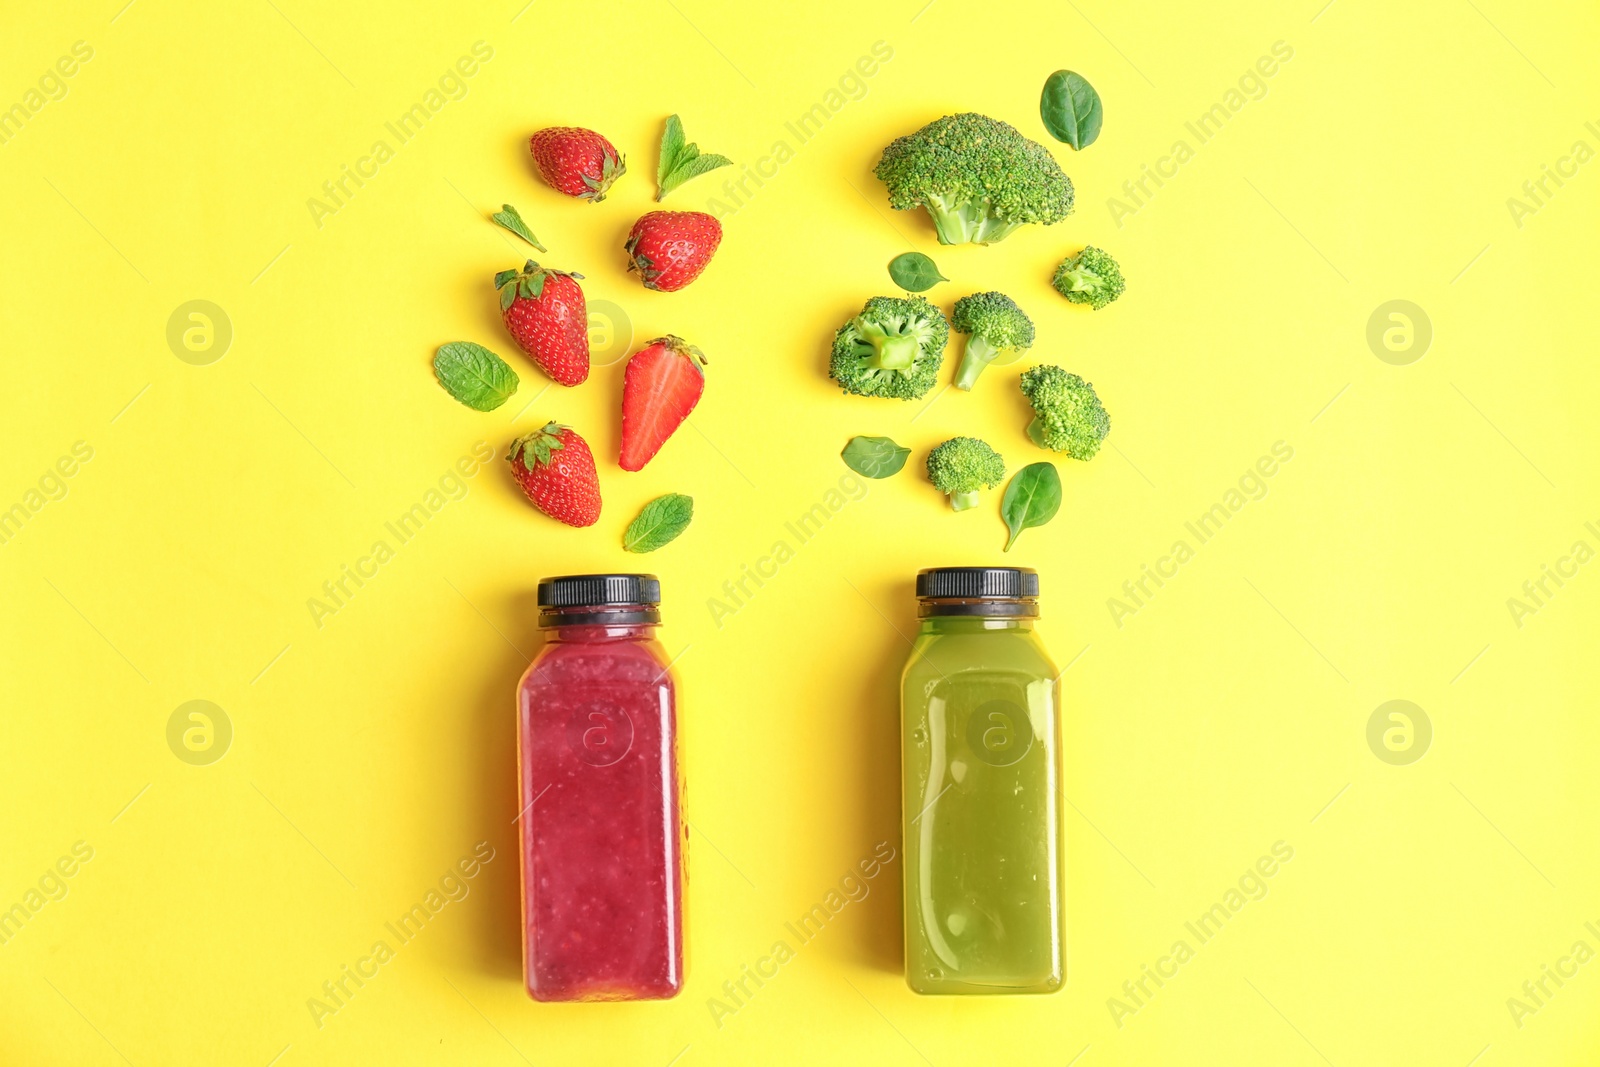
[(661, 386)]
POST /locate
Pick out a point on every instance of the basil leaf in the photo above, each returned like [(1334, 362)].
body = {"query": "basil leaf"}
[(663, 519), (1032, 499), (474, 375), (1071, 109), (874, 457), (510, 218), (914, 272)]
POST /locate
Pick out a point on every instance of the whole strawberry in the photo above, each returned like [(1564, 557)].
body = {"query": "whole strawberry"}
[(576, 161), (662, 384), (545, 313), (669, 249), (556, 471)]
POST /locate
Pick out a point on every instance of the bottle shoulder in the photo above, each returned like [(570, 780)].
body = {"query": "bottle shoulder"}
[(1020, 652), (636, 661)]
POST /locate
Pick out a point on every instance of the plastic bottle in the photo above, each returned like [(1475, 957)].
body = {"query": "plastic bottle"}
[(981, 788), (601, 833)]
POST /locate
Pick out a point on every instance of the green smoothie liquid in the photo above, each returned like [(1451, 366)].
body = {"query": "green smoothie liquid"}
[(982, 810)]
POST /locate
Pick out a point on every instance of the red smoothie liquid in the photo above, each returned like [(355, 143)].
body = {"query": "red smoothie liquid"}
[(602, 864)]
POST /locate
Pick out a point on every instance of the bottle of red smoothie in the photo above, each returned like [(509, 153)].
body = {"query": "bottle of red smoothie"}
[(602, 863)]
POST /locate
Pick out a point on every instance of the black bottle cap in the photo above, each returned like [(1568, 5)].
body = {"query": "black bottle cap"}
[(1000, 582), (599, 590), (593, 598), (994, 591)]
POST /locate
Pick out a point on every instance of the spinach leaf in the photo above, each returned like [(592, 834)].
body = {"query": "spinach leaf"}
[(1071, 109), (1032, 499), (874, 457), (914, 272)]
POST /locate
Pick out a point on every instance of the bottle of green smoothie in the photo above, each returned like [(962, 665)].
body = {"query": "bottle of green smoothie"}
[(981, 779)]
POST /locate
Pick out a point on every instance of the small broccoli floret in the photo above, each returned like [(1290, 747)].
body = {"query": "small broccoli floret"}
[(999, 331), (962, 466), (978, 177), (1091, 277), (894, 348), (1067, 413)]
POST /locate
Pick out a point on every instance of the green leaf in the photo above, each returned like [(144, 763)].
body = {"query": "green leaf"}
[(693, 168), (914, 272), (1071, 109), (874, 457), (672, 145), (1032, 499), (681, 159), (663, 519), (474, 375), (509, 218)]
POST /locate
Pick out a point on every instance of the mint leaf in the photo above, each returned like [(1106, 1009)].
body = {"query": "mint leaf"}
[(661, 520), (672, 145), (693, 168), (681, 159), (474, 375), (874, 457), (509, 218)]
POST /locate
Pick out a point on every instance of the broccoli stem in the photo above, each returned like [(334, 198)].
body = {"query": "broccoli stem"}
[(895, 351), (1037, 431), (955, 224), (968, 223), (1082, 281), (963, 501), (980, 353), (991, 229)]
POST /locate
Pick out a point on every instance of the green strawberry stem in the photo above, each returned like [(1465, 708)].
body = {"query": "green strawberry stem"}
[(529, 282), (682, 348), (537, 445)]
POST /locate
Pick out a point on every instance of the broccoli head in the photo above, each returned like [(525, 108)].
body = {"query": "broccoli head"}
[(894, 348), (978, 177), (962, 466), (1091, 277), (999, 331), (1067, 413)]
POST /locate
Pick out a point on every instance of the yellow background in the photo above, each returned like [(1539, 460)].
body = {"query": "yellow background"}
[(371, 754)]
